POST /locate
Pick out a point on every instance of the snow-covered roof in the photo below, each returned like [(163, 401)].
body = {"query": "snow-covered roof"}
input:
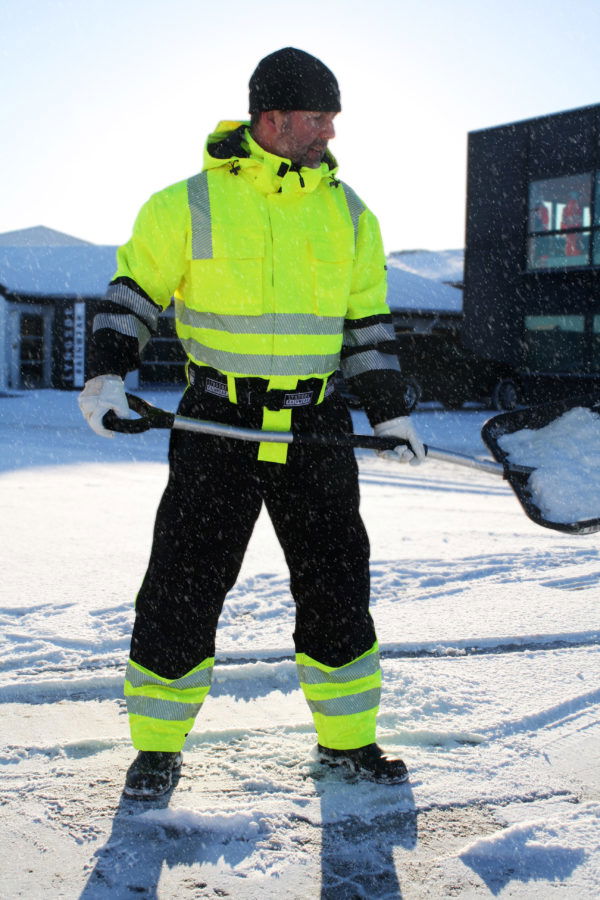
[(440, 265), (78, 270), (407, 291), (38, 236)]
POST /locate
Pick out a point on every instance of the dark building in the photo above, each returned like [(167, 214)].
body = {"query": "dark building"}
[(532, 262)]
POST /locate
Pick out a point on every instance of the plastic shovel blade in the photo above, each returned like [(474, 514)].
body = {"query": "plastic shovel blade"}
[(537, 499)]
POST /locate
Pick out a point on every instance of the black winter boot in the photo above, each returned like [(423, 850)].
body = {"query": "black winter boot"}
[(151, 774), (367, 762)]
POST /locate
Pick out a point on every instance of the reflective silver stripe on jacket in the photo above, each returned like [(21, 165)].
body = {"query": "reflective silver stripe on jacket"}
[(372, 334), (261, 366), (129, 325), (355, 206), (167, 710), (362, 668), (199, 203), (144, 309), (200, 678), (268, 323), (367, 362), (346, 706)]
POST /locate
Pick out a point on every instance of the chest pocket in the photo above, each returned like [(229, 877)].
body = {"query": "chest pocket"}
[(229, 280), (331, 265)]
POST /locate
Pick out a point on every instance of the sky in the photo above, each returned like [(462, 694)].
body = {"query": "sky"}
[(107, 101)]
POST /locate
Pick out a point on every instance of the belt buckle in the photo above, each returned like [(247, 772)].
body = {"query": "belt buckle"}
[(273, 401)]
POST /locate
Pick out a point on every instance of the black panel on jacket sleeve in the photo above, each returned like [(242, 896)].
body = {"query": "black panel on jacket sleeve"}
[(382, 394), (111, 353)]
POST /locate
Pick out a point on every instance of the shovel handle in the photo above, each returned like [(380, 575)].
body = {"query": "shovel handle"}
[(153, 417), (150, 417)]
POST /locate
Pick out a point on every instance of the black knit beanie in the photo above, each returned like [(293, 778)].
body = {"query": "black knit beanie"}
[(292, 79)]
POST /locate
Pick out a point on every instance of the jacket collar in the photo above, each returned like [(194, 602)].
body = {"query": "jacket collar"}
[(231, 145)]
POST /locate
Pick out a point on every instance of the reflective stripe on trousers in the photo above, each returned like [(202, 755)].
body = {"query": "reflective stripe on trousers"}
[(162, 710), (344, 701)]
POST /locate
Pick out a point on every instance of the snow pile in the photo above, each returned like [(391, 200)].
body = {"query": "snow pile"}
[(538, 850), (566, 457), (234, 824)]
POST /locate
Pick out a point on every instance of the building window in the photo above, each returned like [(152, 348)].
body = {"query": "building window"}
[(555, 343), (560, 222)]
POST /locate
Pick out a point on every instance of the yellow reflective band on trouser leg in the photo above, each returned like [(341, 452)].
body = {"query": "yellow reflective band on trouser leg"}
[(162, 711), (344, 701)]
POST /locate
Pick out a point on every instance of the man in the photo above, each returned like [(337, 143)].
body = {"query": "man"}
[(277, 270)]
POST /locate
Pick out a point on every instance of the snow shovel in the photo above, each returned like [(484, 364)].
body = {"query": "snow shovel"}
[(516, 474), (560, 443)]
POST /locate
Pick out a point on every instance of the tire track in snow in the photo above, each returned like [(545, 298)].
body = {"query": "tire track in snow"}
[(243, 676)]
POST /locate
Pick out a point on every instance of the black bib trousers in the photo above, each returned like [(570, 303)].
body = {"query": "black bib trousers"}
[(204, 522)]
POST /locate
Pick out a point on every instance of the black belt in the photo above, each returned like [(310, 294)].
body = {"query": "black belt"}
[(253, 391)]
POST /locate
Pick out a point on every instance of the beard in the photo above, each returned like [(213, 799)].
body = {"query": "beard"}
[(310, 156)]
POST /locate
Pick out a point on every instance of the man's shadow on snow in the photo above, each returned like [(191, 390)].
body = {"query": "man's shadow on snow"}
[(362, 825), (131, 861)]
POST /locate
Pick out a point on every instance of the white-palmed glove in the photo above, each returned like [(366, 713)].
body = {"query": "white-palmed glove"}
[(100, 394), (402, 428)]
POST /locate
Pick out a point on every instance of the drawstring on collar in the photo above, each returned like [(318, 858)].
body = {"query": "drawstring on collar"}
[(234, 167), (296, 168), (334, 182)]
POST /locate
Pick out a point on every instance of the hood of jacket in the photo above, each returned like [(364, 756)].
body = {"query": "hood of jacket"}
[(232, 147)]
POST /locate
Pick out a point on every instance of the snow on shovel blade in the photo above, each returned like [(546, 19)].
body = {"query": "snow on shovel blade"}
[(560, 442)]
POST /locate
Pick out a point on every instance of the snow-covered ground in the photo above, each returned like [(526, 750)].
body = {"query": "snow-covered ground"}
[(491, 644)]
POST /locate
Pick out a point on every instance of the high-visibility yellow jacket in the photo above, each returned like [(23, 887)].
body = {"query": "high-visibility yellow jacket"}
[(276, 272)]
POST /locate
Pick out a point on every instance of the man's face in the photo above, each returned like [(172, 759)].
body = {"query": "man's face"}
[(303, 136)]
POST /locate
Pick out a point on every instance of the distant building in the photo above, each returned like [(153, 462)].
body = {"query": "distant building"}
[(47, 278), (50, 283), (532, 262)]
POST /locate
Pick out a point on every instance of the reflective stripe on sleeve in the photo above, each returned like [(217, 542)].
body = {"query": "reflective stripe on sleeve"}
[(126, 324), (358, 363), (372, 334), (144, 309)]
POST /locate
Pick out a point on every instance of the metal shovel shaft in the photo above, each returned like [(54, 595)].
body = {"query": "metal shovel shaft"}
[(364, 441), (154, 417)]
